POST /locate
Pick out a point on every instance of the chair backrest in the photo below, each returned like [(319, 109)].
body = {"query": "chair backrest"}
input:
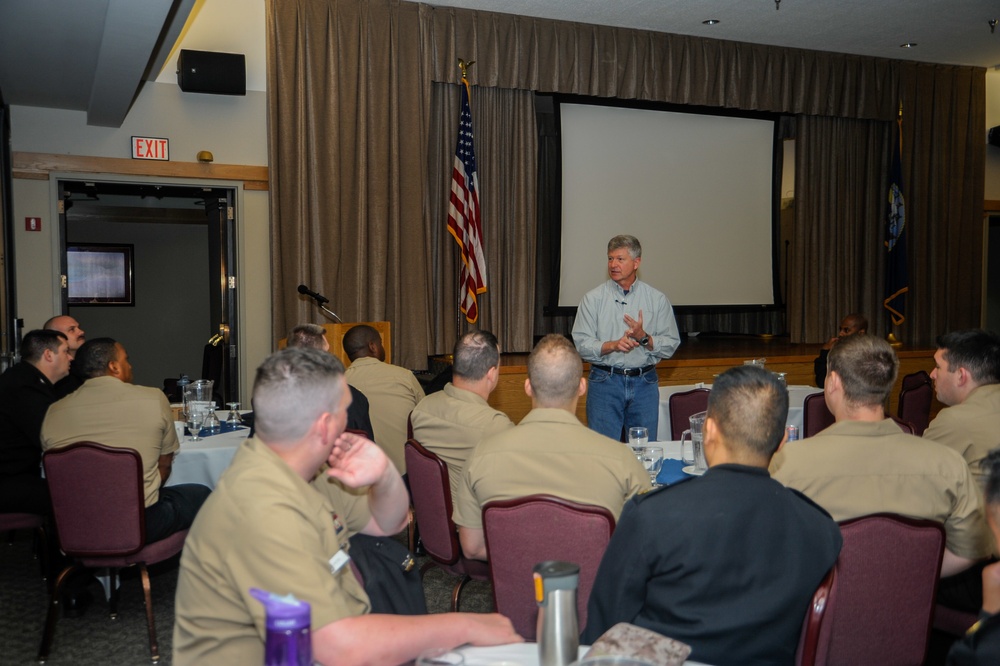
[(682, 406), (809, 639), (915, 401), (97, 499), (881, 603), (914, 379), (905, 426), (20, 521), (816, 415), (430, 491), (522, 532)]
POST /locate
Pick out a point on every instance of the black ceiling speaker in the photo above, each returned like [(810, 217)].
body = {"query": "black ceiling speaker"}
[(993, 137), (211, 72)]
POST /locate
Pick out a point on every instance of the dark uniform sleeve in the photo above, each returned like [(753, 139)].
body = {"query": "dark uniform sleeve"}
[(819, 367), (980, 647), (620, 586), (357, 414)]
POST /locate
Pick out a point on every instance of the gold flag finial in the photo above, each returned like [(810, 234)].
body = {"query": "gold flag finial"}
[(464, 66)]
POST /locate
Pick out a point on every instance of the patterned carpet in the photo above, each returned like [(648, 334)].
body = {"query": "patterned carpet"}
[(95, 639)]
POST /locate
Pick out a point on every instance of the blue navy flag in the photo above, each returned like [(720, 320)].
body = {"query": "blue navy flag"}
[(897, 277)]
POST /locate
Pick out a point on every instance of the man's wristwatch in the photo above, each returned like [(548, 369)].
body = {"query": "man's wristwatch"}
[(644, 341)]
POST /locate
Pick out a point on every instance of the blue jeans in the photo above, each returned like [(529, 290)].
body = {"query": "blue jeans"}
[(616, 402)]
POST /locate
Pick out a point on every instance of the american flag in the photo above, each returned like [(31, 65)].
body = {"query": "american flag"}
[(463, 215)]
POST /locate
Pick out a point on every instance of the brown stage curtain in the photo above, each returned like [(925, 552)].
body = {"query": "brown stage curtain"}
[(576, 58), (506, 156), (837, 259), (348, 117), (944, 154)]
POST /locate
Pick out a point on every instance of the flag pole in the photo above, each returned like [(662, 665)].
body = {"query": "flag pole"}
[(464, 222), (897, 275), (459, 317)]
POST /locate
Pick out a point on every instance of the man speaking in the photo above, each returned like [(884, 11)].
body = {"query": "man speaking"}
[(623, 328)]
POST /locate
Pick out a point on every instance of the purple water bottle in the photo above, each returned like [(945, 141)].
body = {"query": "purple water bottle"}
[(288, 642)]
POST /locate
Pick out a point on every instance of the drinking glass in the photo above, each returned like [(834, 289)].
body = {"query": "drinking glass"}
[(211, 422), (440, 657), (638, 437), (234, 419), (652, 460), (195, 418)]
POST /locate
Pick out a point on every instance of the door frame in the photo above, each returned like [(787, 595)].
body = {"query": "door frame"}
[(227, 260)]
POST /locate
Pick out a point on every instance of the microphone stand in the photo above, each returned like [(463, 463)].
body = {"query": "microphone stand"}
[(329, 312)]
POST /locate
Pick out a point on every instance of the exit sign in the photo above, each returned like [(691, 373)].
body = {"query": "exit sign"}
[(150, 148)]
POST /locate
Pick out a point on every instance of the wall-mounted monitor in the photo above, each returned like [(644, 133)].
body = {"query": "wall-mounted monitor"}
[(100, 274)]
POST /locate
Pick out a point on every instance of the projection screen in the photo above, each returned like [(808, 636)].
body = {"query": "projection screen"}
[(695, 189)]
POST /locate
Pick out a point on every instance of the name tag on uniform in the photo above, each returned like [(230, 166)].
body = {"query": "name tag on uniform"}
[(338, 561)]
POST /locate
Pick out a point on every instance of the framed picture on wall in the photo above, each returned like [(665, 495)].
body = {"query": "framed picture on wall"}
[(100, 274)]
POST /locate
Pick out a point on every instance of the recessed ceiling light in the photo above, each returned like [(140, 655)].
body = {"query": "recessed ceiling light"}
[(908, 45), (711, 21)]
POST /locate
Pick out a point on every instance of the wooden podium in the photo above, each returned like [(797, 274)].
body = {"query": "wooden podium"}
[(335, 336)]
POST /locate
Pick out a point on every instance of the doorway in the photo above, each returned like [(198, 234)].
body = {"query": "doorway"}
[(181, 317), (991, 314)]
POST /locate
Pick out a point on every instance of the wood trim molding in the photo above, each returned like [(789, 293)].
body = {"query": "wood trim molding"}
[(38, 166), (991, 206)]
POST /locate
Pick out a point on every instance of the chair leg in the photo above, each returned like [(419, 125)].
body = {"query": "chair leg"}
[(458, 591), (53, 615), (43, 550), (411, 530), (113, 585), (154, 648)]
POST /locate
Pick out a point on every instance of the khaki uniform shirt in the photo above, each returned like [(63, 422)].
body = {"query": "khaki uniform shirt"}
[(549, 452), (856, 468), (351, 503), (262, 527), (392, 394), (108, 411), (972, 428), (451, 422)]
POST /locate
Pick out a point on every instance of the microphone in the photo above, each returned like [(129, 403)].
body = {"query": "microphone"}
[(309, 292)]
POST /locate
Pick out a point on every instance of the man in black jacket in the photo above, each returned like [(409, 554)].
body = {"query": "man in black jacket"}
[(26, 391)]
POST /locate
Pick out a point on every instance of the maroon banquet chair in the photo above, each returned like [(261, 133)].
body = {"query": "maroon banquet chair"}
[(816, 415), (98, 502), (522, 532), (905, 426), (10, 522), (809, 639), (881, 603), (682, 406), (915, 397), (430, 492), (953, 621)]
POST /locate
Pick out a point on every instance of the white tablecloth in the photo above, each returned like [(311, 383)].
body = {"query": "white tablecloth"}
[(514, 654), (204, 461), (796, 396)]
